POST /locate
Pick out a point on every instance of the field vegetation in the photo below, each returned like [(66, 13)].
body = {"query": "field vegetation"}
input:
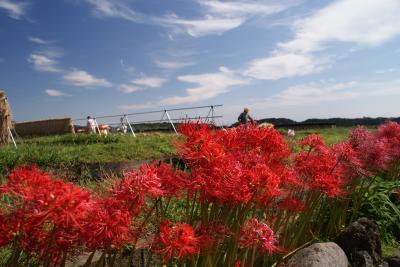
[(235, 198), (69, 151)]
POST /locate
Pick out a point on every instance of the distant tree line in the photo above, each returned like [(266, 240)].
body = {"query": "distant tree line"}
[(367, 121)]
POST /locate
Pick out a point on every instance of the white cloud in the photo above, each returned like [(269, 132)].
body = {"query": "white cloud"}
[(55, 93), (150, 81), (311, 93), (354, 21), (15, 10), (239, 8), (38, 40), (45, 61), (209, 85), (114, 8), (322, 92), (324, 99), (201, 27), (218, 17), (170, 64), (386, 88), (390, 70), (82, 78), (364, 22), (128, 88), (283, 66)]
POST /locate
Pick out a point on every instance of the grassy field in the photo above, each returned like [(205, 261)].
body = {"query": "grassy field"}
[(331, 135), (71, 150), (67, 151)]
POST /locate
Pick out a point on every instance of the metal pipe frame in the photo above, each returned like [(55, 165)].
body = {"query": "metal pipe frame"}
[(12, 137), (150, 112)]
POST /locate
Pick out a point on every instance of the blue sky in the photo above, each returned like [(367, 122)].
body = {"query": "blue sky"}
[(296, 59)]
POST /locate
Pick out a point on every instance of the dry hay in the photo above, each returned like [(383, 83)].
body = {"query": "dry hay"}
[(44, 127), (266, 125), (5, 119)]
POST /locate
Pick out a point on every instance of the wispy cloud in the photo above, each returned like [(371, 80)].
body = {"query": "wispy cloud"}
[(15, 10), (173, 65), (283, 66), (114, 8), (55, 93), (361, 22), (222, 16), (82, 78), (129, 88), (390, 70), (150, 81), (200, 27), (38, 40), (364, 22), (241, 8), (218, 17), (322, 92), (311, 93), (381, 89), (45, 61), (209, 85)]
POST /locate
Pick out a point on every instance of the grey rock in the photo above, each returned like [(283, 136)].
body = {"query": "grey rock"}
[(361, 235), (319, 255), (393, 261), (363, 259)]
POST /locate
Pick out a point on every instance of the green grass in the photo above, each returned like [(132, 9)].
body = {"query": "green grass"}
[(331, 135), (71, 150), (67, 151)]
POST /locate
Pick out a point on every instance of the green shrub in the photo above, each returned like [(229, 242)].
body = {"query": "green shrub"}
[(381, 205)]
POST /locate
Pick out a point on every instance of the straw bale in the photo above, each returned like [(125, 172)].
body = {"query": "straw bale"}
[(5, 119), (45, 127)]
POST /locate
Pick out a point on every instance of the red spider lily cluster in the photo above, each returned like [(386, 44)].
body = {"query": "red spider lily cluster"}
[(176, 241), (244, 191), (377, 150)]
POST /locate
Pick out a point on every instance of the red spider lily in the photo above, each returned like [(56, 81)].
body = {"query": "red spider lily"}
[(173, 181), (6, 229), (136, 185), (234, 166), (210, 235), (292, 205), (390, 131), (176, 241), (258, 235), (323, 168), (45, 216), (24, 180), (107, 225), (372, 151), (348, 164), (313, 142)]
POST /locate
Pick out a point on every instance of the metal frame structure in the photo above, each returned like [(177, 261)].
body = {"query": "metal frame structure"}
[(12, 137), (129, 124), (166, 117), (9, 129)]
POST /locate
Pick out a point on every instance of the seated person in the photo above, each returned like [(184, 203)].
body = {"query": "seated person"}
[(244, 117)]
